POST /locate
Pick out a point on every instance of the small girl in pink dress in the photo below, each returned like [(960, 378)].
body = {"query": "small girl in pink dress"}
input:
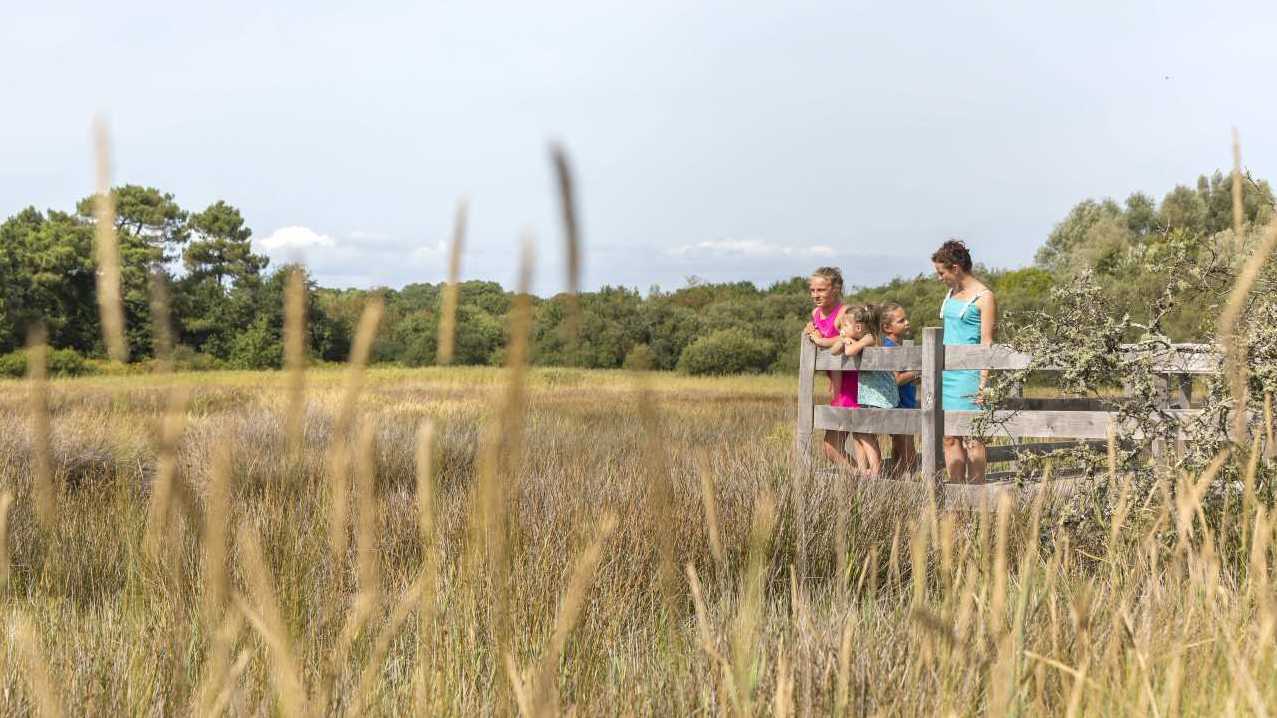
[(825, 286)]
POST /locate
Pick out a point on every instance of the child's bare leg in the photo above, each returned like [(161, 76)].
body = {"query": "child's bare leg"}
[(834, 448), (903, 452), (868, 444), (977, 461), (955, 459)]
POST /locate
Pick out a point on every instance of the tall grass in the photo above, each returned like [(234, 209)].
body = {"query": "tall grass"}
[(902, 608)]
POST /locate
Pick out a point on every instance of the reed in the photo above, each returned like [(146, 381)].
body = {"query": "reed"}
[(451, 290), (42, 484), (295, 363), (264, 615), (106, 251), (6, 501), (26, 644), (571, 237)]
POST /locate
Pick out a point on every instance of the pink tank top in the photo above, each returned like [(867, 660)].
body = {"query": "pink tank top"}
[(844, 382)]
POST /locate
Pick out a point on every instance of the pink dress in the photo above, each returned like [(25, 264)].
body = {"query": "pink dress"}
[(842, 383)]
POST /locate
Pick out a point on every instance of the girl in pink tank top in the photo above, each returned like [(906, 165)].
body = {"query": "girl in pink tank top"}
[(826, 293)]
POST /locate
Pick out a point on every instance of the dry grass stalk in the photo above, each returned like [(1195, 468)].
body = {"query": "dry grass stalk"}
[(264, 615), (295, 363), (42, 485), (1234, 352), (998, 602), (661, 498), (407, 603), (6, 501), (783, 704), (219, 674), (711, 511), (1268, 425), (430, 549), (158, 538), (107, 252), (749, 613), (366, 499), (452, 290), (547, 694), (338, 464), (842, 692), (216, 536), (1238, 208), (161, 323), (338, 461), (521, 700), (425, 481), (27, 646), (571, 236)]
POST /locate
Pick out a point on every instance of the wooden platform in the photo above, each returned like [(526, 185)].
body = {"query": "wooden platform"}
[(964, 497)]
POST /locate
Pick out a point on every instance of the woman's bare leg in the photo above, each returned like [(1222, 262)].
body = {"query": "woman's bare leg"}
[(955, 459), (977, 461)]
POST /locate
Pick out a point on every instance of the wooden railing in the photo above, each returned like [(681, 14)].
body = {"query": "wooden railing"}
[(1065, 418)]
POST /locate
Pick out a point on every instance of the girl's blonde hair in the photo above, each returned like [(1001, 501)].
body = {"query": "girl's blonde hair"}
[(833, 275), (868, 314)]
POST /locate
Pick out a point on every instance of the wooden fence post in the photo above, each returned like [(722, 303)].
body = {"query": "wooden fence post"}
[(806, 411), (931, 452)]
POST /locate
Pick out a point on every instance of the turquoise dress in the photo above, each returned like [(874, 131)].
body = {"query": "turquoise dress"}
[(878, 389), (961, 326)]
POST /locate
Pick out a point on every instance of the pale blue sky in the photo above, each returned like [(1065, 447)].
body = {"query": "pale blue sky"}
[(734, 140)]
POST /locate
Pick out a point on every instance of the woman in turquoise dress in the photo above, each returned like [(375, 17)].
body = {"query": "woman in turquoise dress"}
[(970, 315)]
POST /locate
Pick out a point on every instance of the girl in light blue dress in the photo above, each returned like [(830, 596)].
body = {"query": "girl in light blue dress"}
[(970, 315), (861, 326)]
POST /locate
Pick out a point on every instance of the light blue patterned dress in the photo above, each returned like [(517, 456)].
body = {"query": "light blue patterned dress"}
[(961, 326), (878, 389)]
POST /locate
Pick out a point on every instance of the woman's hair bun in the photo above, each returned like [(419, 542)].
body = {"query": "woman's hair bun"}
[(953, 253)]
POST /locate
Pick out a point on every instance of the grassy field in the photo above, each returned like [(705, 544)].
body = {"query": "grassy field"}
[(588, 542)]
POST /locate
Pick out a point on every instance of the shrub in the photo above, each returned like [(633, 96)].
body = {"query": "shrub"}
[(62, 362), (67, 362), (640, 358), (14, 364), (726, 351)]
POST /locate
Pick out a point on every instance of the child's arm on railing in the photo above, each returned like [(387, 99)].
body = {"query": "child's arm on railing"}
[(853, 347), (907, 377)]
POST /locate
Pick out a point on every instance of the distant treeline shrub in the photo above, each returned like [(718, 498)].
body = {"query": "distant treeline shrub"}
[(227, 309), (62, 362)]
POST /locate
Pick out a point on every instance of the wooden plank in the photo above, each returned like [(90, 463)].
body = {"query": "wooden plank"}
[(932, 420), (975, 356), (1067, 403), (806, 377), (1054, 424), (1072, 424), (1011, 452), (905, 358), (1001, 356), (868, 421)]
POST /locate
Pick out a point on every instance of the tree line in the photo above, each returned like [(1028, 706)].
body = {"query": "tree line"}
[(225, 303)]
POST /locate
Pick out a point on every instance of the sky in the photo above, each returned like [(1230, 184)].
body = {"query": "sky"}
[(725, 141)]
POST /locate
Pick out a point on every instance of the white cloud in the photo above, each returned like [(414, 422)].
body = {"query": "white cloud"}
[(753, 248), (296, 237), (430, 251)]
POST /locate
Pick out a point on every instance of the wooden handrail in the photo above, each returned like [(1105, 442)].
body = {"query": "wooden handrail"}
[(1052, 418)]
